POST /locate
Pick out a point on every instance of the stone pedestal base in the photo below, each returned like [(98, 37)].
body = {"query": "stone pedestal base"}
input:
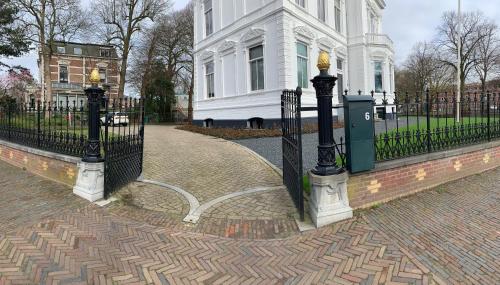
[(90, 181), (329, 202)]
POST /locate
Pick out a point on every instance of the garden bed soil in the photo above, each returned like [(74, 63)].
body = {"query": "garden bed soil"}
[(239, 134)]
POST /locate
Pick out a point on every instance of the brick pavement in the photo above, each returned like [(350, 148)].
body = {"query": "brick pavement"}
[(449, 234), (26, 198), (263, 215), (204, 166), (90, 246), (453, 229)]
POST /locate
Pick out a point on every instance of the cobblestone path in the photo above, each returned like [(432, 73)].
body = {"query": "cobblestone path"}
[(204, 166)]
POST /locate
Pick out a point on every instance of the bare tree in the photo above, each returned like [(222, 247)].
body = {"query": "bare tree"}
[(48, 21), (423, 70), (142, 59), (487, 54), (122, 20), (447, 41)]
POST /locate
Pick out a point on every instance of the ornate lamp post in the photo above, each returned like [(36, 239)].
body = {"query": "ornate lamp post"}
[(324, 83), (94, 97)]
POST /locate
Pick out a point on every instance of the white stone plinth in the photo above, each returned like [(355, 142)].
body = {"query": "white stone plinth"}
[(329, 202), (90, 181)]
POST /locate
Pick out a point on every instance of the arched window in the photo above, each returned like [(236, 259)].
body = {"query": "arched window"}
[(208, 123), (255, 123)]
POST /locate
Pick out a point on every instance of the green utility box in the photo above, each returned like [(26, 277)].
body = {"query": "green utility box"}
[(359, 132)]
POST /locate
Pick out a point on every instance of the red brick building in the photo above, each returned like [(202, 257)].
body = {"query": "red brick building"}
[(70, 67)]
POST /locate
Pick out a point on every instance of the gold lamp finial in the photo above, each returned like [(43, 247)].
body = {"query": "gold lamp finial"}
[(323, 61), (95, 78)]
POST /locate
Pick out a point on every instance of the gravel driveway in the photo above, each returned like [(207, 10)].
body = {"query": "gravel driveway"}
[(270, 148)]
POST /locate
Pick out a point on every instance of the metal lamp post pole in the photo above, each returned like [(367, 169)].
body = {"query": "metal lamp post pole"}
[(324, 83), (459, 58), (94, 97)]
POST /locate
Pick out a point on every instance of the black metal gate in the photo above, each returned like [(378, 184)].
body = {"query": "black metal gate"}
[(123, 142), (292, 146)]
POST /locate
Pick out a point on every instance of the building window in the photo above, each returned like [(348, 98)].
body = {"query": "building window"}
[(77, 51), (338, 16), (302, 63), (209, 25), (210, 79), (61, 50), (257, 67), (322, 10), (63, 74), (340, 79), (105, 52), (391, 77), (301, 3), (378, 77), (102, 75)]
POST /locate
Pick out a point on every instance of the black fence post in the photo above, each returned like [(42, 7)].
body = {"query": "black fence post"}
[(488, 106), (428, 110), (94, 98), (324, 83), (9, 118), (38, 121)]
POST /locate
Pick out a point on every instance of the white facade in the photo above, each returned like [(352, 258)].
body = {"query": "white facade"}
[(235, 82)]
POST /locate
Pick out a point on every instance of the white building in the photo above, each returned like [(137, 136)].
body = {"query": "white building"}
[(248, 51)]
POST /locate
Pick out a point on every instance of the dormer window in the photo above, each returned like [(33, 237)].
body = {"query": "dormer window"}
[(77, 51), (105, 52), (61, 50)]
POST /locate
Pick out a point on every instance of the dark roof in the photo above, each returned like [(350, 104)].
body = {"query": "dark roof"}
[(88, 49)]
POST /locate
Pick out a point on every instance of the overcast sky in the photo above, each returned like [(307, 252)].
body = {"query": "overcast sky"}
[(405, 21)]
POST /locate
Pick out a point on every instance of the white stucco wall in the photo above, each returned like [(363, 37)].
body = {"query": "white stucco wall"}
[(278, 25)]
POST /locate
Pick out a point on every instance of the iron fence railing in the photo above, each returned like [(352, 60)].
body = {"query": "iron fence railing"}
[(59, 127), (426, 122), (123, 141)]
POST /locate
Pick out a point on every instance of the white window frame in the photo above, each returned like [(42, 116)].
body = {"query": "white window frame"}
[(59, 73), (325, 10), (375, 62), (105, 51), (61, 49), (340, 71), (307, 63), (205, 14), (105, 74), (301, 3), (337, 16), (212, 77), (250, 61), (77, 48)]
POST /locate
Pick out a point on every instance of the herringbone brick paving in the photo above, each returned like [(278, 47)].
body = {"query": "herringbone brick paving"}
[(455, 230), (69, 243), (220, 167), (91, 246)]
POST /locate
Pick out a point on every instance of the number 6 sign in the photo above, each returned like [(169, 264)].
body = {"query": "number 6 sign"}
[(367, 116)]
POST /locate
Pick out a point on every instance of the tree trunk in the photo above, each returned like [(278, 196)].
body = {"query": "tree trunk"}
[(190, 99), (123, 69)]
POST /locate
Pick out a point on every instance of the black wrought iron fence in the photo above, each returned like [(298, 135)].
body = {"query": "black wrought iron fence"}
[(59, 127), (424, 122), (123, 142)]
